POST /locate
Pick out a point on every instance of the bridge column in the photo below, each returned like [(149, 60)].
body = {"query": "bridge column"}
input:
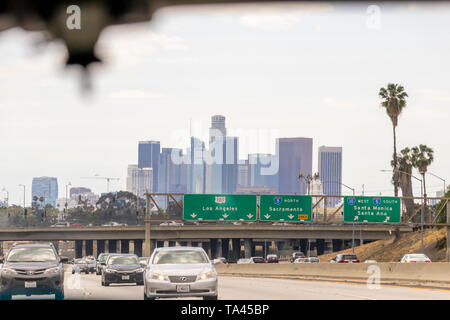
[(236, 247), (225, 247), (160, 244), (320, 246), (100, 247), (124, 246), (89, 247), (112, 246), (205, 246), (304, 246), (78, 249), (248, 244)]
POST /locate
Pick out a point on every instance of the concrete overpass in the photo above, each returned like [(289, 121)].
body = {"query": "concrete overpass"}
[(214, 238)]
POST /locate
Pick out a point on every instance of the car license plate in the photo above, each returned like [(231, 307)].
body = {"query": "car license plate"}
[(30, 284), (183, 288), (125, 277)]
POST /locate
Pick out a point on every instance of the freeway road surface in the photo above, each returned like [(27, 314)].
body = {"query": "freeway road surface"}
[(253, 289)]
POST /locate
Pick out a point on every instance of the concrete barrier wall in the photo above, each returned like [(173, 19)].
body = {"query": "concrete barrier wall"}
[(392, 272)]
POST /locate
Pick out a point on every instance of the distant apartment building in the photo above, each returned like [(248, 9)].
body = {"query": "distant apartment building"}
[(78, 190), (46, 187), (294, 156), (330, 171), (148, 157)]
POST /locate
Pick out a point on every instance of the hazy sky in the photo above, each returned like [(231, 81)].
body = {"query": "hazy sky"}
[(276, 71)]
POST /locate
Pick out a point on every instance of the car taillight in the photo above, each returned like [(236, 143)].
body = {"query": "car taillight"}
[(428, 261), (357, 260), (412, 261)]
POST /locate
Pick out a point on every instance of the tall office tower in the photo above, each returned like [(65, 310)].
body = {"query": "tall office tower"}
[(46, 187), (217, 128), (139, 181), (243, 173), (148, 157), (294, 156), (197, 168), (263, 170), (145, 181), (330, 172), (170, 172), (132, 178), (230, 166)]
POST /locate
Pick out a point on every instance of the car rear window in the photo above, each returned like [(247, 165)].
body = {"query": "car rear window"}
[(180, 257), (349, 257)]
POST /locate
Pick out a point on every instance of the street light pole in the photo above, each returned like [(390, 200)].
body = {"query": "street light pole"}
[(67, 200), (22, 185)]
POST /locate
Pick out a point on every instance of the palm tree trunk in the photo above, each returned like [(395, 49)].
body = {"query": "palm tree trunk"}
[(395, 163)]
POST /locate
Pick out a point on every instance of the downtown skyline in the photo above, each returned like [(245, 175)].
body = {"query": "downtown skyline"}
[(262, 74)]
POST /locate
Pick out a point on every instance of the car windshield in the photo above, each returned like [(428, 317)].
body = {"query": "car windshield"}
[(123, 260), (180, 257), (418, 256), (32, 255), (103, 257)]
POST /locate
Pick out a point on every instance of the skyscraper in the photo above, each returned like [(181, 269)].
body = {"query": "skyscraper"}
[(170, 173), (148, 157), (243, 174), (295, 156), (257, 175), (217, 128), (46, 187), (139, 180), (330, 172), (197, 168), (230, 166)]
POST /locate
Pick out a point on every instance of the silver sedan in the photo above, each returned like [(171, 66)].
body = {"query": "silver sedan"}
[(180, 272)]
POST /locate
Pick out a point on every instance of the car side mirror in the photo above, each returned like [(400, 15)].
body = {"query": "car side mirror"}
[(63, 259), (143, 264)]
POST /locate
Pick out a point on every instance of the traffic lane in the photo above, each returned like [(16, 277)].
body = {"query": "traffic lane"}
[(241, 288)]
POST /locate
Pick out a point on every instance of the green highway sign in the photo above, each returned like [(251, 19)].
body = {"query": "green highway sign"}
[(219, 207), (285, 207), (372, 209)]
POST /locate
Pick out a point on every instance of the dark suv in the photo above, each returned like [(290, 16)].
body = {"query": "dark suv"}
[(32, 269)]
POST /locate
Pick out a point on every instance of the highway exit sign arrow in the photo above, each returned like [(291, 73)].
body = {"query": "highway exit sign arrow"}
[(372, 209), (215, 207), (285, 207)]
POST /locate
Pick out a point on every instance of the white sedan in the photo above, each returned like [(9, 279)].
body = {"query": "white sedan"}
[(415, 257)]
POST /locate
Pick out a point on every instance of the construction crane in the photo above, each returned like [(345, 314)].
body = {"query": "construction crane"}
[(108, 179)]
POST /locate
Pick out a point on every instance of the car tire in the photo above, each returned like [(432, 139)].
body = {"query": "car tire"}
[(106, 284), (59, 295), (210, 298), (73, 271), (140, 283)]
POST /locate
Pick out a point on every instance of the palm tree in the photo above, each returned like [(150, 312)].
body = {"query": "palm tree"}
[(394, 101), (422, 157), (405, 167)]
